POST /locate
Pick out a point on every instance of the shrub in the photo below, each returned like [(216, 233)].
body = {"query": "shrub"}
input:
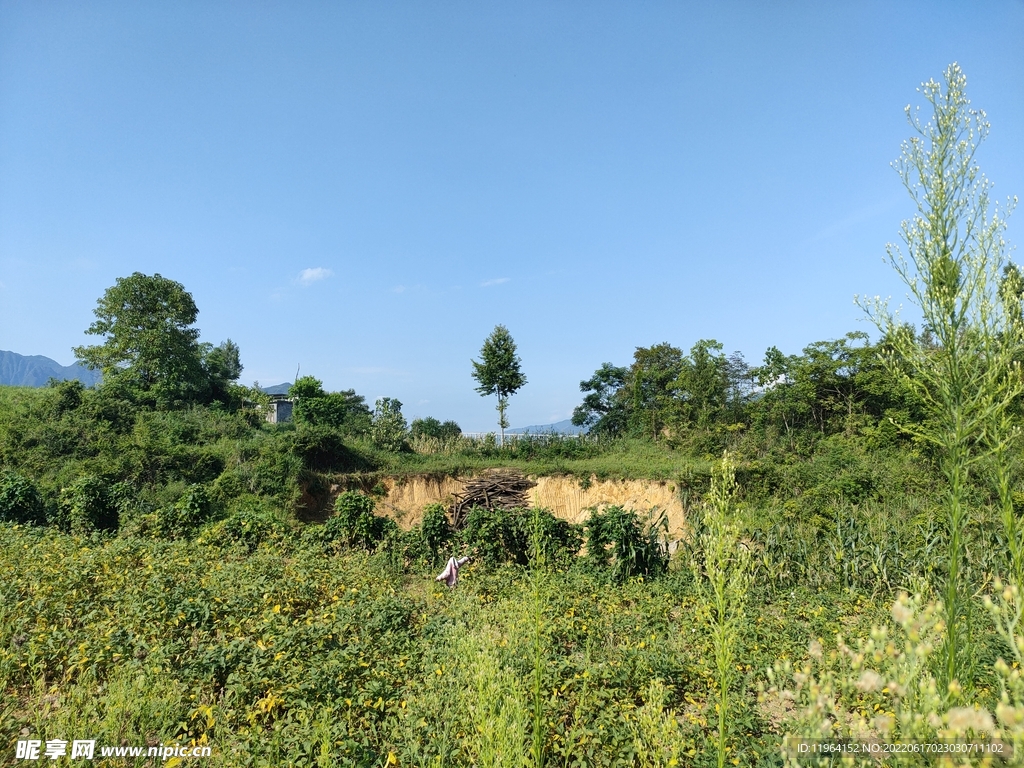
[(344, 411), (496, 536), (322, 448), (354, 524), (431, 427), (20, 501), (187, 514), (436, 530), (248, 527), (67, 395), (506, 536), (86, 506)]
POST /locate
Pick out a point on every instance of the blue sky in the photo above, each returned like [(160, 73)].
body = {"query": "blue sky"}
[(367, 189)]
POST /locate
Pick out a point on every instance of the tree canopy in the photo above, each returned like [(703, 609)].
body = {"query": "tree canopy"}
[(150, 342)]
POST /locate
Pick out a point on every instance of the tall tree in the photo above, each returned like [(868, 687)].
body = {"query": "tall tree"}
[(150, 342), (703, 384), (652, 388), (499, 372)]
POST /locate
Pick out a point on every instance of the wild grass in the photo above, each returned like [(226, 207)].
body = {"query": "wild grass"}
[(546, 455)]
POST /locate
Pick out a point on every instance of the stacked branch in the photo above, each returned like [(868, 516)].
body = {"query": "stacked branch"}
[(505, 489)]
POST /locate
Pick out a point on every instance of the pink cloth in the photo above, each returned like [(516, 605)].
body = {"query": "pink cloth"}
[(450, 574)]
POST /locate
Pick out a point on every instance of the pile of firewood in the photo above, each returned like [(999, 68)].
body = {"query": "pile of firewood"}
[(504, 489)]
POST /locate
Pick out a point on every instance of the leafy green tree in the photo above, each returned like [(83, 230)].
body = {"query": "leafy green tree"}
[(703, 384), (223, 365), (499, 372), (603, 410), (388, 427), (150, 343), (967, 377), (345, 410), (307, 386), (652, 388), (431, 427)]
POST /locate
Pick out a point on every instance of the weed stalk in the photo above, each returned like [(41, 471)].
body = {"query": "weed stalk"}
[(727, 569)]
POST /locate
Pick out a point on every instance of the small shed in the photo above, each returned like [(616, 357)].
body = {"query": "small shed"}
[(279, 410)]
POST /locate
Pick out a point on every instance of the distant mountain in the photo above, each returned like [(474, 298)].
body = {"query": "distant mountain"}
[(278, 389), (35, 370), (558, 428)]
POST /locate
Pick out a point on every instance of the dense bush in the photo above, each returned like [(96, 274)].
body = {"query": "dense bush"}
[(436, 530), (20, 501), (183, 518), (247, 527), (344, 411), (509, 536), (86, 506), (354, 524), (431, 427), (324, 448)]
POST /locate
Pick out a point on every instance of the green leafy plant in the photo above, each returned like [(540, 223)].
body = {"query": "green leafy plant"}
[(85, 506), (620, 544), (506, 536), (183, 518), (248, 527), (436, 530), (354, 524), (20, 501), (388, 427)]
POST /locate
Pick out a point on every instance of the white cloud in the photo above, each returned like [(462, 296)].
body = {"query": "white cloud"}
[(313, 274), (495, 281)]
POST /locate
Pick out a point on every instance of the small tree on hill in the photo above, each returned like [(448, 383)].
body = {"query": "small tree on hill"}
[(499, 371)]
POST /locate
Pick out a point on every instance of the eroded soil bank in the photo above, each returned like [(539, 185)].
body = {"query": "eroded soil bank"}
[(567, 497)]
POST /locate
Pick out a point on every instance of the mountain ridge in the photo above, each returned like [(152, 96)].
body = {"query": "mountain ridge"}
[(36, 370)]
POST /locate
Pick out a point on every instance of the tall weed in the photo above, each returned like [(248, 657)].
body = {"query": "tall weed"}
[(727, 574)]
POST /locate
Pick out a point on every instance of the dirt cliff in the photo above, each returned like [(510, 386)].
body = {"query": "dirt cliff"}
[(567, 497)]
